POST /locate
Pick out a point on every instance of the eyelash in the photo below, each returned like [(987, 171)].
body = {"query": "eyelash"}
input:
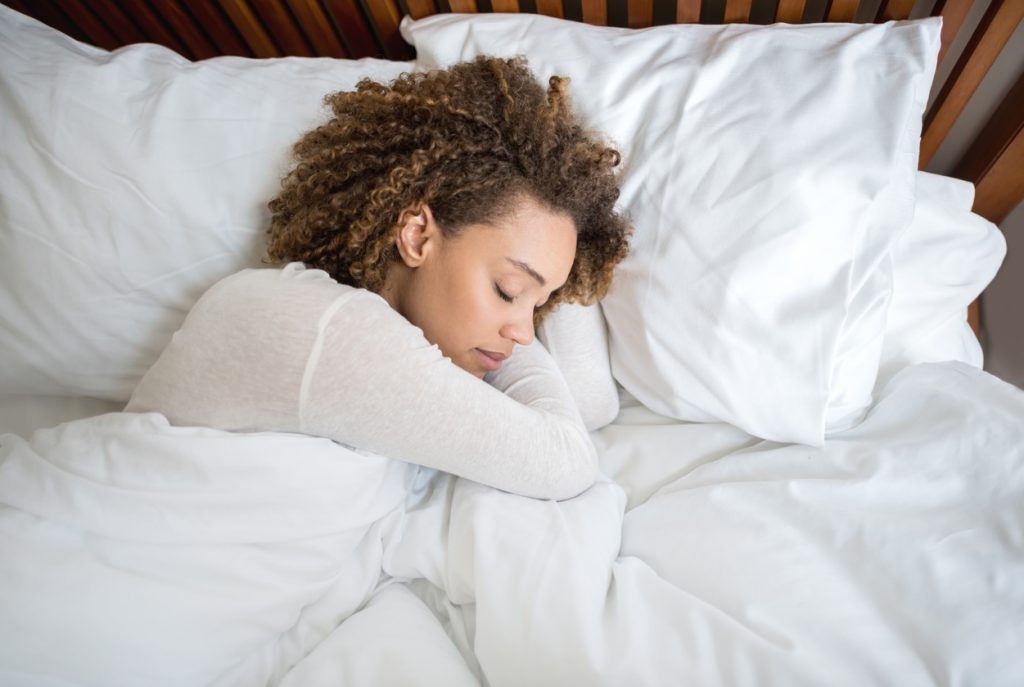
[(504, 296)]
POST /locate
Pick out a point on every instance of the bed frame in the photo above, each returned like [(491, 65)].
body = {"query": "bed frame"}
[(198, 29)]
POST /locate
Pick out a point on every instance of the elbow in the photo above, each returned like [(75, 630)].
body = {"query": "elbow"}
[(580, 473)]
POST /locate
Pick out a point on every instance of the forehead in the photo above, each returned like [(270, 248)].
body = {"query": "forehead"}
[(530, 234)]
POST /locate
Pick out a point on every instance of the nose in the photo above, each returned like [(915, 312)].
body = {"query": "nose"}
[(520, 329)]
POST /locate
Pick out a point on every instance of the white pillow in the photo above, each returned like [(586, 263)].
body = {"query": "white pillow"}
[(946, 258), (131, 181), (768, 171)]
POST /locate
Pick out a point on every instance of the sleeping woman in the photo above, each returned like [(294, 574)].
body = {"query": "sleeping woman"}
[(425, 231)]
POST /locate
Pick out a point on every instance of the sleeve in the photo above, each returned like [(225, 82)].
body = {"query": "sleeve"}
[(375, 382), (577, 338)]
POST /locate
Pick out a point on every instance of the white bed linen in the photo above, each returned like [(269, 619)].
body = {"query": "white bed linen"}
[(23, 413), (892, 555)]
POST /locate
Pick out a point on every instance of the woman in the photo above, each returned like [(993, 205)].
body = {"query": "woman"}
[(428, 226)]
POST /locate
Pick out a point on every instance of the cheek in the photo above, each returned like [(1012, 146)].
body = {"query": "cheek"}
[(457, 309)]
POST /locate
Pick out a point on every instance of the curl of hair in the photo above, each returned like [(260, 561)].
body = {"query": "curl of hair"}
[(467, 141)]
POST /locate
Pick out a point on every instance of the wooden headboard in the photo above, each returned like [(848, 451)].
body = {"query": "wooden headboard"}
[(199, 29), (369, 28)]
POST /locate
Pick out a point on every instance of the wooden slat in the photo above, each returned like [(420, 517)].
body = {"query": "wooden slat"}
[(93, 29), (737, 11), (186, 29), (994, 162), (317, 28), (687, 11), (552, 8), (640, 13), (118, 22), (842, 10), (250, 28), (953, 13), (463, 6), (218, 28), (282, 27), (354, 30), (974, 316), (594, 12), (423, 8), (384, 18), (506, 5), (996, 26), (153, 28), (46, 12), (891, 10), (790, 11)]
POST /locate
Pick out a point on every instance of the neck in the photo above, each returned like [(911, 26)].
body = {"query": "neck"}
[(393, 286)]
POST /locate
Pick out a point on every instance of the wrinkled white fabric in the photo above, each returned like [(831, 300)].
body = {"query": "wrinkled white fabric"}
[(576, 336), (768, 171), (136, 552), (292, 350)]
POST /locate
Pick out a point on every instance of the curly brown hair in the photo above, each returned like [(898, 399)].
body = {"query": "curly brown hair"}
[(468, 141)]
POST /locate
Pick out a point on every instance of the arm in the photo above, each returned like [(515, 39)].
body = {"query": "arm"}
[(291, 350), (577, 339), (379, 385)]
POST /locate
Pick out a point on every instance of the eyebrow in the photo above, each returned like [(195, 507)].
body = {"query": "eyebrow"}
[(529, 270)]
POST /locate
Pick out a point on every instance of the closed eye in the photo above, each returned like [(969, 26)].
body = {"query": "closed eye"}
[(504, 296)]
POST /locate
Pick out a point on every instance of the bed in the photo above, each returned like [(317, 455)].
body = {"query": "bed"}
[(809, 479)]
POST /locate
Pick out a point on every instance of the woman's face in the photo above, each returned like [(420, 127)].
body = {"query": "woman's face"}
[(474, 295)]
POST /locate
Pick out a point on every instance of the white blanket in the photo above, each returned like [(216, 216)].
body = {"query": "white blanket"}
[(138, 553)]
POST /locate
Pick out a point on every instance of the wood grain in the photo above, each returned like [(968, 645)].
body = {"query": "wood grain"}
[(318, 29), (842, 10), (996, 26), (790, 11), (737, 11)]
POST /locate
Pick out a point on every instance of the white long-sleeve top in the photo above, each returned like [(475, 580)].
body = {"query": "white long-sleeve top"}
[(292, 350)]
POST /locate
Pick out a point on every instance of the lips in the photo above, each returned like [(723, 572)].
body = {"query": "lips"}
[(489, 359)]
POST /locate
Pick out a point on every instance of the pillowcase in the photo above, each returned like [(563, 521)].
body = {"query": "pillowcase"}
[(130, 182), (768, 171), (945, 259)]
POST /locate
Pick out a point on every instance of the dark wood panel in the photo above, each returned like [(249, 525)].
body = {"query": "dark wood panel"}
[(94, 30), (48, 13), (953, 13), (790, 11), (123, 28), (894, 9), (281, 25), (187, 30), (347, 17), (153, 27), (994, 162), (737, 11), (595, 12), (318, 29), (842, 10), (993, 31), (417, 9), (384, 16), (250, 28), (217, 27), (552, 8), (640, 13)]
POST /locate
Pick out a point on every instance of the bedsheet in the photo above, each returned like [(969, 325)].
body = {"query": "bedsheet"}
[(135, 552)]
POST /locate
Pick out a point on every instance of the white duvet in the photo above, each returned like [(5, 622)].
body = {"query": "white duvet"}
[(136, 553)]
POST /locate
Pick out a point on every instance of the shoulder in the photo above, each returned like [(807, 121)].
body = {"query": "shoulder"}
[(282, 291), (297, 298)]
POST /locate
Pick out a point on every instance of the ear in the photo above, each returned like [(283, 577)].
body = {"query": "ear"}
[(418, 234)]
